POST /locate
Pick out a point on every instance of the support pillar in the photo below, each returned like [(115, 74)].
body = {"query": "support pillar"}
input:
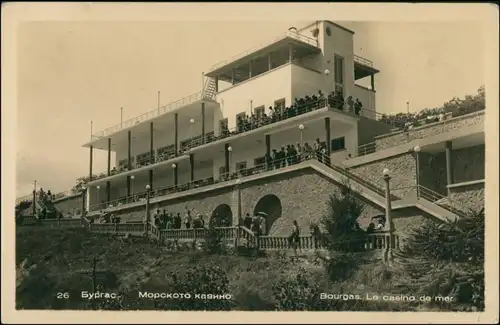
[(250, 69), (90, 163), (151, 144), (268, 145), (372, 80), (449, 164), (128, 186), (176, 175), (108, 191), (109, 156), (151, 178), (129, 152), (216, 84), (176, 134), (269, 62), (327, 136), (191, 168), (388, 219), (232, 76), (203, 140), (290, 53), (226, 157)]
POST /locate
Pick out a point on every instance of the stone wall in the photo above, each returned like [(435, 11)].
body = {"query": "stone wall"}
[(471, 196), (72, 205), (433, 172), (303, 195), (402, 171), (424, 131), (468, 164)]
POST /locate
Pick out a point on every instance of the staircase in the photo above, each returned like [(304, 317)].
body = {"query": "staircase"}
[(427, 200), (210, 89)]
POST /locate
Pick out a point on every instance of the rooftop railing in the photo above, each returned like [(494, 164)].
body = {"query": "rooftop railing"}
[(363, 61), (292, 34)]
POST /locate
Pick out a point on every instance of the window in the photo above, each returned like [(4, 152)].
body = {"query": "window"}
[(338, 144), (279, 105), (241, 165), (259, 111), (339, 74), (259, 161)]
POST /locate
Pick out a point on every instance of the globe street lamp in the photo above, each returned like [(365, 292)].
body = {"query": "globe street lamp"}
[(229, 150), (417, 149), (301, 128)]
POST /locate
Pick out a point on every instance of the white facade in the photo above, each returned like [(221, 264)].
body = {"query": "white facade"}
[(328, 65)]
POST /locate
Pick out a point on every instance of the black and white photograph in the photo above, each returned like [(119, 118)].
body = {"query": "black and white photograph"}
[(305, 164)]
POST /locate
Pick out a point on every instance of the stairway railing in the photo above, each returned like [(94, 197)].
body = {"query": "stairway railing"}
[(434, 197)]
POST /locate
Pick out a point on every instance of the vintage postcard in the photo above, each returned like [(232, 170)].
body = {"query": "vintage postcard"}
[(323, 159)]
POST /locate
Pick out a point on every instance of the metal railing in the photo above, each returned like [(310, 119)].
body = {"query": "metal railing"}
[(363, 61), (246, 126), (416, 132), (226, 177), (443, 201), (292, 34), (149, 115)]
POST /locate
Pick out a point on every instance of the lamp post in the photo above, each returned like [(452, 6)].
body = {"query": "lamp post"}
[(301, 128), (191, 122), (407, 106), (132, 186), (146, 221), (98, 197), (327, 73), (416, 150), (84, 210), (388, 216), (230, 150)]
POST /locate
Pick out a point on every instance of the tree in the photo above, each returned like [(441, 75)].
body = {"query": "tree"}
[(448, 260)]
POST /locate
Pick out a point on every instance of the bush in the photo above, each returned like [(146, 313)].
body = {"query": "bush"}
[(201, 279), (298, 294), (214, 241), (448, 260)]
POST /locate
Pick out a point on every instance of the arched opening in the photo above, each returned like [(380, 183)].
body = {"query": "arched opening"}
[(222, 216), (269, 206)]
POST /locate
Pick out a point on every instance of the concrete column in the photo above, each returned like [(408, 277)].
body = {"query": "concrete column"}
[(269, 62), (176, 133), (290, 53), (203, 123), (108, 191), (232, 76), (372, 79), (268, 144), (151, 144), (128, 186), (226, 157), (90, 163), (327, 135), (176, 174), (151, 178), (129, 144), (250, 69), (216, 84), (449, 164), (109, 156), (191, 167)]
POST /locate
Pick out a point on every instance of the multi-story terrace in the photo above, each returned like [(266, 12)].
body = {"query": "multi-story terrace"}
[(203, 151)]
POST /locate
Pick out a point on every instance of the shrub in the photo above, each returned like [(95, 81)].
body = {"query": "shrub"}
[(448, 260), (299, 294), (201, 279)]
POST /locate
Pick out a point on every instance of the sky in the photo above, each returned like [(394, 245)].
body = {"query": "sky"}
[(69, 73)]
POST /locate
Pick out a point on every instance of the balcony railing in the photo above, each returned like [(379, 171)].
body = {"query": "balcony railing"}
[(150, 115), (419, 130), (292, 34), (363, 61), (261, 121)]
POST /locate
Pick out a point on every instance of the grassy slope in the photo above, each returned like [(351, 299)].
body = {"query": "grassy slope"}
[(59, 255)]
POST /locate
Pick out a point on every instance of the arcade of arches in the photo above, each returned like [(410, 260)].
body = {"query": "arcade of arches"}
[(268, 206)]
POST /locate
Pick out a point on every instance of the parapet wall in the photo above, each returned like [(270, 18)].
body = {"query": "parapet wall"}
[(401, 137)]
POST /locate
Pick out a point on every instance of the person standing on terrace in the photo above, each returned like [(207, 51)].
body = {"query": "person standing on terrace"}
[(294, 238)]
